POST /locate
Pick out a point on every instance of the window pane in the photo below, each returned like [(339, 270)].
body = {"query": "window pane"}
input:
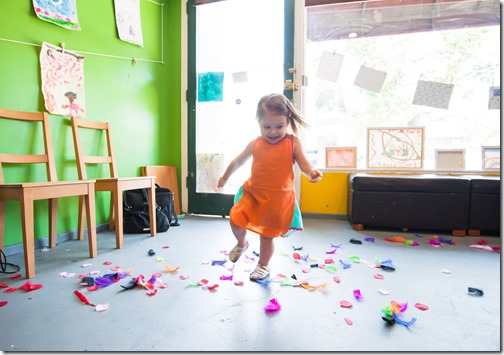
[(341, 111)]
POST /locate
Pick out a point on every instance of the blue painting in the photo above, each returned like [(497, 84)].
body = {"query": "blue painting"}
[(60, 12), (210, 86)]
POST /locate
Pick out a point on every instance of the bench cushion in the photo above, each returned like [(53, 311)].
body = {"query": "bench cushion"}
[(406, 183)]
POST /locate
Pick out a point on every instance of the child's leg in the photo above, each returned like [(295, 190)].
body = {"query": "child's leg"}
[(239, 234), (242, 244), (266, 249)]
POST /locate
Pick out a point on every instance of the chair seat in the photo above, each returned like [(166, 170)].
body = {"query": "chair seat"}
[(44, 190), (46, 184)]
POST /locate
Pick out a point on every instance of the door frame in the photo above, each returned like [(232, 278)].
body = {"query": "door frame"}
[(219, 204)]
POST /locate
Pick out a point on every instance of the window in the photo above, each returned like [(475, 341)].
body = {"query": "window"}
[(341, 109)]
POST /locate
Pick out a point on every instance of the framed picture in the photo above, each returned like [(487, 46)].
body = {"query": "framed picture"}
[(341, 157), (490, 158), (450, 159), (395, 148)]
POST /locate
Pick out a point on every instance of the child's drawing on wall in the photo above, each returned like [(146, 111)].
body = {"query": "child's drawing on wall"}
[(60, 12), (62, 74), (73, 107), (129, 25)]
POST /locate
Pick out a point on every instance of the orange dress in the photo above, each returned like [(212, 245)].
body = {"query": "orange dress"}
[(268, 201)]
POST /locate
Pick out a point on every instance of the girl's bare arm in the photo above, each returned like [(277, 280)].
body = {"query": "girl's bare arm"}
[(306, 167), (236, 164)]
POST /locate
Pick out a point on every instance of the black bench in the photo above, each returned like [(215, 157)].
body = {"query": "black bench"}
[(419, 202), (484, 207)]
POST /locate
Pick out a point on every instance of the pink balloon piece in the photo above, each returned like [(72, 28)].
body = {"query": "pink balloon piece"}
[(337, 279), (345, 304), (348, 321), (379, 276), (273, 306), (421, 306)]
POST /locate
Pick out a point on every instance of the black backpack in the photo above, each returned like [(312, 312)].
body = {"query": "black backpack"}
[(136, 210), (165, 200)]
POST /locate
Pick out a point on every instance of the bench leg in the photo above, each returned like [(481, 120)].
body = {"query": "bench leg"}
[(358, 227)]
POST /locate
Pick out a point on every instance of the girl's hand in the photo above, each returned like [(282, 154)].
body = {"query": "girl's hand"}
[(221, 182), (315, 175)]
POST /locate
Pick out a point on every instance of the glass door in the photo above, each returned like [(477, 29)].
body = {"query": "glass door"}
[(239, 50)]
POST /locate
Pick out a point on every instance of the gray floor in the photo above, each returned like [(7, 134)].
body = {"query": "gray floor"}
[(181, 317)]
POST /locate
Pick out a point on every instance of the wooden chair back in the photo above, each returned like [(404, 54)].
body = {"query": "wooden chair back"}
[(84, 160), (47, 157)]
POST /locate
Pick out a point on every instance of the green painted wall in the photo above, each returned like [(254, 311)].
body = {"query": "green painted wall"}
[(141, 101)]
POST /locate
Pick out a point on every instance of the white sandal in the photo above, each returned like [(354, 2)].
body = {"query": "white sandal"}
[(237, 251), (260, 273)]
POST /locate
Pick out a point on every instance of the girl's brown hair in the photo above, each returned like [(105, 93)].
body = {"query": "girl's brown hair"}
[(280, 105)]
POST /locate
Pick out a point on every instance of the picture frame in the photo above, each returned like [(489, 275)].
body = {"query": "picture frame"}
[(490, 158), (341, 157), (395, 148), (450, 159)]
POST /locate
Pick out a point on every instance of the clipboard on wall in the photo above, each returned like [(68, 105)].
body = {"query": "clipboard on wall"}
[(166, 176)]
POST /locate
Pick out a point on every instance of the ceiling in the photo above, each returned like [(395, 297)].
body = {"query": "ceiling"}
[(389, 17)]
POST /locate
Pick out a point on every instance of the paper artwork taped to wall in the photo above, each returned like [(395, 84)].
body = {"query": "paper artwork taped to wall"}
[(329, 66), (129, 25), (60, 12), (429, 93), (210, 86), (370, 79), (395, 148), (491, 158), (494, 98), (62, 74), (209, 168)]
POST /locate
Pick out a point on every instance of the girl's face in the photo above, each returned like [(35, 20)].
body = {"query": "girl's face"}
[(273, 127)]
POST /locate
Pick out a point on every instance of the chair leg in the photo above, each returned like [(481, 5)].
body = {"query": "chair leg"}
[(82, 217), (111, 223), (2, 224), (117, 203), (152, 208), (89, 202), (53, 218), (27, 225)]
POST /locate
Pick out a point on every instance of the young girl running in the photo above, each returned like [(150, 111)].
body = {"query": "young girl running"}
[(266, 203)]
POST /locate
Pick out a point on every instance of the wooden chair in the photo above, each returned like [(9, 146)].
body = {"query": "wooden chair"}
[(114, 184), (52, 189)]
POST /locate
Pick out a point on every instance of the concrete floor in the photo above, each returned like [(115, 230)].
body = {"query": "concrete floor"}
[(181, 317)]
